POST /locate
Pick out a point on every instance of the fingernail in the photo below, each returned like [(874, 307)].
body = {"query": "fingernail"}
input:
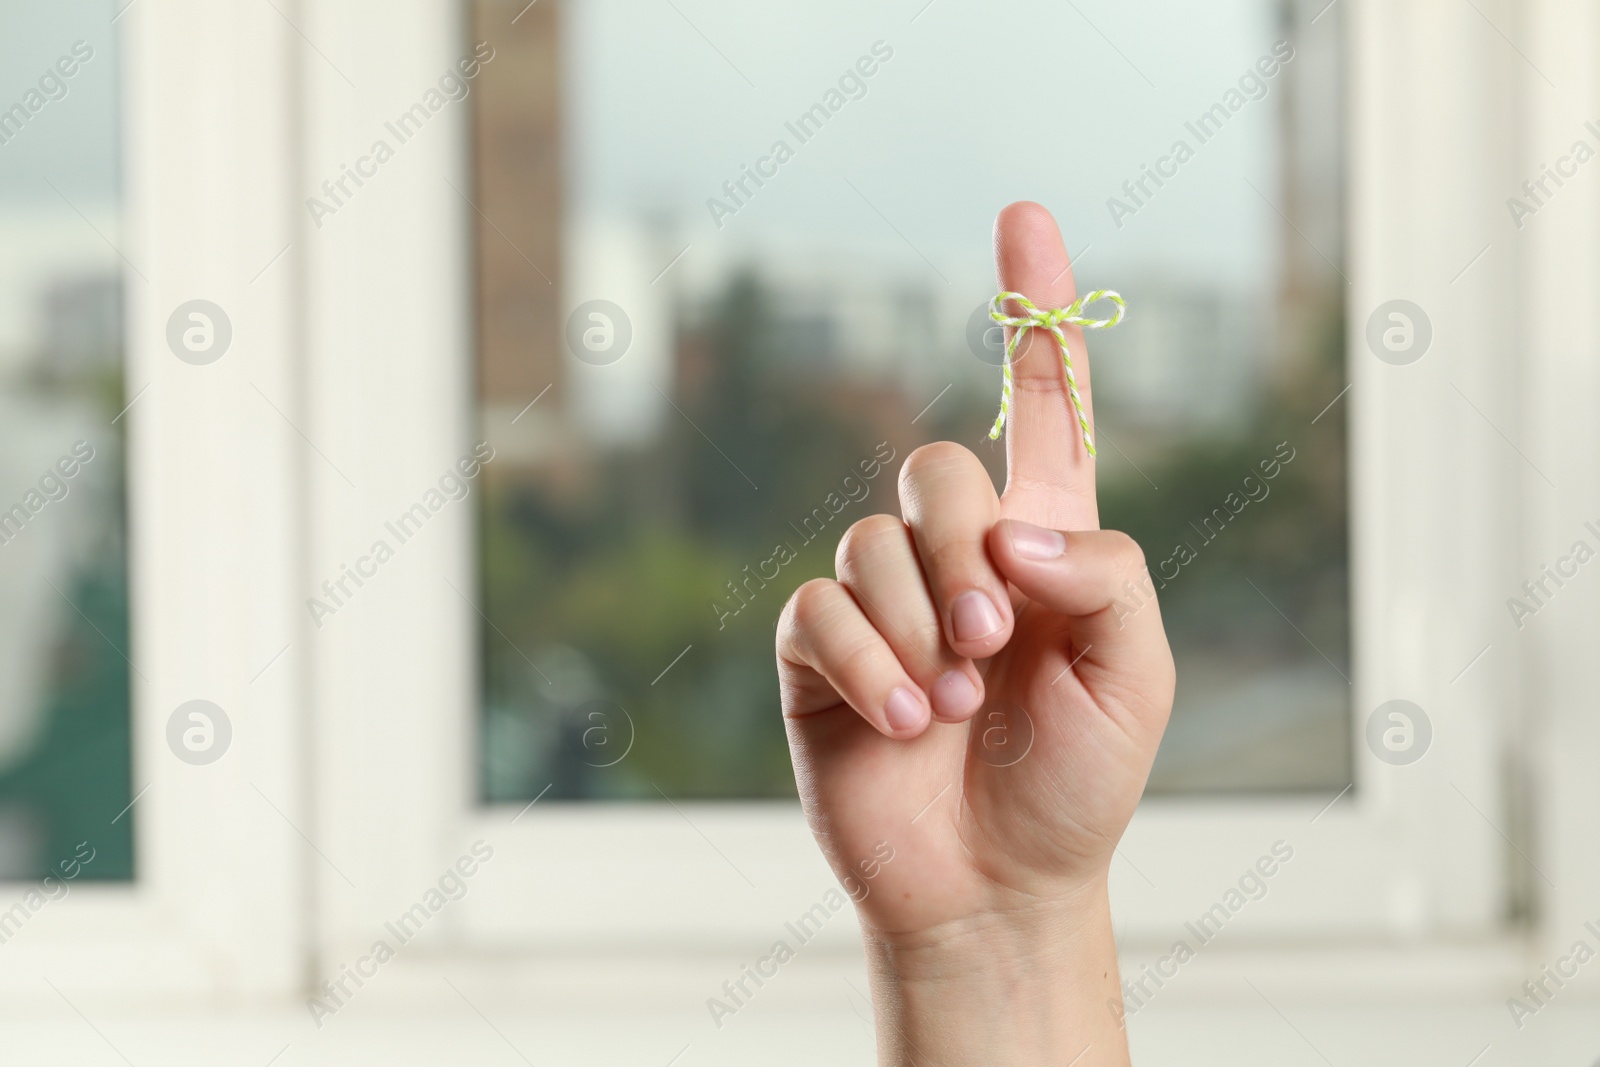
[(904, 711), (954, 696), (973, 616), (1036, 542)]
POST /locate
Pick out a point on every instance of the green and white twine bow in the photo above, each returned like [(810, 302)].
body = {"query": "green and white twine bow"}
[(1034, 318)]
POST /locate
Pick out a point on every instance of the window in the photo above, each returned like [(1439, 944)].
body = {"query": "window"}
[(683, 360), (646, 447), (64, 642)]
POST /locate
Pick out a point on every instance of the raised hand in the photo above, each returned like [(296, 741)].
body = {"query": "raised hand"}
[(982, 692)]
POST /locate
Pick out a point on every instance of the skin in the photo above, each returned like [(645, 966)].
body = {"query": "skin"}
[(1001, 767)]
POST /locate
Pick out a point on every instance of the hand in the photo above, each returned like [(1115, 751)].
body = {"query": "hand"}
[(980, 695)]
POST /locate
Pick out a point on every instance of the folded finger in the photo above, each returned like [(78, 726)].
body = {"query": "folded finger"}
[(950, 504), (827, 646), (878, 562)]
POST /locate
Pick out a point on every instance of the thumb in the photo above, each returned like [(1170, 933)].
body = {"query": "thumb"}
[(1098, 579)]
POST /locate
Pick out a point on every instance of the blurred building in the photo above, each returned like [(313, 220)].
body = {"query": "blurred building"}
[(82, 326), (1188, 363), (1310, 194), (517, 191)]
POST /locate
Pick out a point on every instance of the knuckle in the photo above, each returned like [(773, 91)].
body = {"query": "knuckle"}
[(1127, 552), (938, 459), (867, 536), (957, 562), (859, 662), (1062, 482), (808, 605), (926, 636)]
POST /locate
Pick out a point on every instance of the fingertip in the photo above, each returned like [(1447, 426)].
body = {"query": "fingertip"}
[(906, 713), (1025, 542), (1030, 255), (957, 695), (978, 624), (1024, 216)]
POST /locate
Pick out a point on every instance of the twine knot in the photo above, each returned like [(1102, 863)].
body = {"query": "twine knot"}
[(1052, 319)]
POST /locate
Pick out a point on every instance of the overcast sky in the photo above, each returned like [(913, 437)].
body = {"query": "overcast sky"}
[(72, 140), (981, 104)]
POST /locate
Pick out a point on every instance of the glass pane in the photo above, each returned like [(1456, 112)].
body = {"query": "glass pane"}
[(724, 289), (64, 707)]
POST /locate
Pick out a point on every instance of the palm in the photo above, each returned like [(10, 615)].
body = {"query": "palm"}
[(1029, 794), (1037, 784)]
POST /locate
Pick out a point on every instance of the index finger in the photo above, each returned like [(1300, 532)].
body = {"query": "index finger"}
[(1049, 473)]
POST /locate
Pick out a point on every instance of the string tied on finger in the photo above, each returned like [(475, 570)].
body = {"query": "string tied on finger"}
[(1053, 319)]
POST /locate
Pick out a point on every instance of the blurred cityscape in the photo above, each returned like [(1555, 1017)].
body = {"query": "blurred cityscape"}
[(644, 498)]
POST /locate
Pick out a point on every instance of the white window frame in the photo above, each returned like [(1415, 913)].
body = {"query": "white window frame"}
[(217, 909)]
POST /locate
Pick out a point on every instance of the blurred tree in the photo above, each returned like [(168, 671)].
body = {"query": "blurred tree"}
[(77, 778)]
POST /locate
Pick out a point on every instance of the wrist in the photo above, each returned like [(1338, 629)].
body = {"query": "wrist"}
[(1033, 983)]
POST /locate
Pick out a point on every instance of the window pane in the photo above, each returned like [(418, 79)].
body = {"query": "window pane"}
[(724, 289), (64, 708)]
